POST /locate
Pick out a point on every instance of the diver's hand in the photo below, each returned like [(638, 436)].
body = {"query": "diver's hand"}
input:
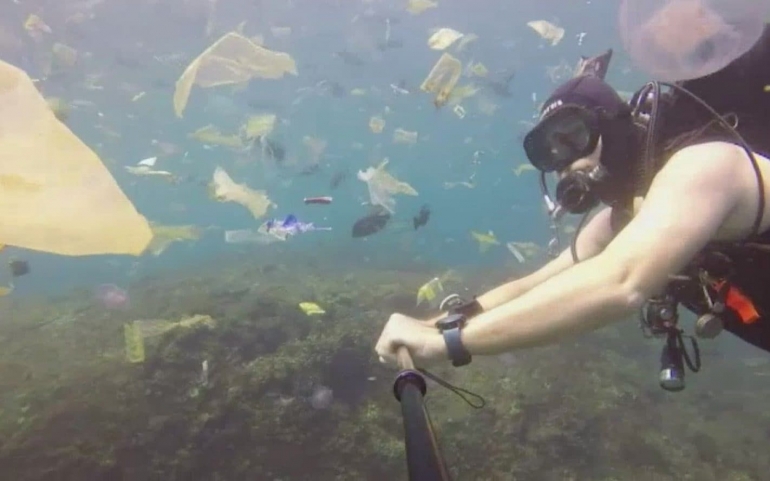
[(424, 341)]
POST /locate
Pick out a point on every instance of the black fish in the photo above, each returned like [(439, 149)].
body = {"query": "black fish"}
[(594, 65), (350, 58), (273, 150), (421, 218), (18, 267), (337, 179), (501, 88), (391, 43), (337, 90), (370, 224)]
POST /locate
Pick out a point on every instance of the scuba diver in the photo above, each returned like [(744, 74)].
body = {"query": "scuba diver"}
[(682, 172)]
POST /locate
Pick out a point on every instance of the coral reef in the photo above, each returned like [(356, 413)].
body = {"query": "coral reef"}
[(72, 407)]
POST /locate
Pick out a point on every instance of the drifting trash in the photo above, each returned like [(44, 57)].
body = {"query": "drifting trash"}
[(415, 7), (249, 236), (442, 38), (58, 196), (382, 186), (401, 136), (430, 292), (318, 200), (135, 333), (521, 168), (376, 124), (233, 59), (311, 308), (149, 161), (485, 240), (224, 189), (290, 226), (211, 135), (442, 79), (36, 27), (258, 125), (547, 31), (165, 235)]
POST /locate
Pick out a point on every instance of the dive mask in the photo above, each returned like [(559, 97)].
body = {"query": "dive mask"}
[(568, 133)]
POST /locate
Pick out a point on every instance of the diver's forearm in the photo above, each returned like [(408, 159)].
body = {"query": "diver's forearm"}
[(504, 293), (494, 297), (580, 299)]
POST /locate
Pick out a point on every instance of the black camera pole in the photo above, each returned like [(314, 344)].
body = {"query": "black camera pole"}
[(423, 456)]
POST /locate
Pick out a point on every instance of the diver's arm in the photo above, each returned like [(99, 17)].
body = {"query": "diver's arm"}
[(686, 206), (594, 237)]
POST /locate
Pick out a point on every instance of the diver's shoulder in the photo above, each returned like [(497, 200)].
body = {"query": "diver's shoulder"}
[(705, 158)]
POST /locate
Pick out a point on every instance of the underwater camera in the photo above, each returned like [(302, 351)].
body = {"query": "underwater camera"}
[(659, 317)]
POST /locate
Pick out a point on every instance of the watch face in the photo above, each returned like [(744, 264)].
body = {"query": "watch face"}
[(450, 322)]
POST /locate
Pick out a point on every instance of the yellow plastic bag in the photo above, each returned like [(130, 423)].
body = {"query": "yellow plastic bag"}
[(56, 195)]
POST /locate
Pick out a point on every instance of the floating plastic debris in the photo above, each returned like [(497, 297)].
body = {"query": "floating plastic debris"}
[(289, 226), (515, 251), (431, 292), (401, 136), (523, 250), (383, 186), (311, 308), (485, 240), (250, 236), (547, 31), (478, 69), (36, 27), (211, 135), (376, 124), (258, 125), (442, 79), (224, 189), (415, 7), (134, 343), (521, 168), (318, 200), (233, 59), (136, 332), (165, 235), (321, 398), (58, 196), (442, 38)]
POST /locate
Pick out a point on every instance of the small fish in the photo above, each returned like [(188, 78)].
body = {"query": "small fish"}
[(337, 179), (501, 88), (370, 224), (422, 218), (318, 200), (18, 267), (350, 58), (289, 226)]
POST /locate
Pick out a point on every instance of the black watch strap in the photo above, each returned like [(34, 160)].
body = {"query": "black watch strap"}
[(454, 344), (451, 328)]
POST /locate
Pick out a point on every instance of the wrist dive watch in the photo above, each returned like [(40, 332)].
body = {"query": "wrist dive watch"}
[(450, 327)]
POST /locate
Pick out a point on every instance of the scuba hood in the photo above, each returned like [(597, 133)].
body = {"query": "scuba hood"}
[(622, 141)]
